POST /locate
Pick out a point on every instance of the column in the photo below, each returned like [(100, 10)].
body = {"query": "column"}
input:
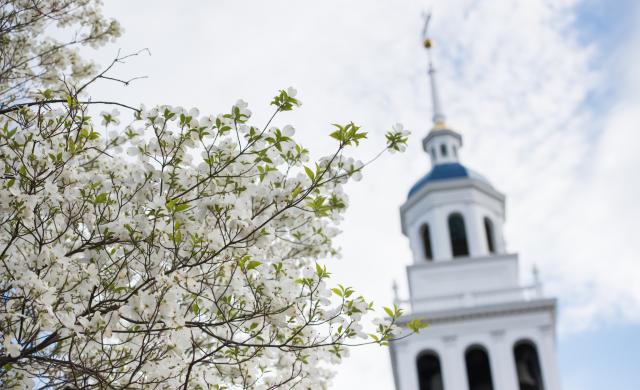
[(415, 243), (440, 236), (501, 245), (453, 367), (474, 232), (547, 356), (406, 371), (502, 364)]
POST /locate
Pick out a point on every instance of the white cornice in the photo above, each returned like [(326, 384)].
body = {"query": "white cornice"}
[(484, 311)]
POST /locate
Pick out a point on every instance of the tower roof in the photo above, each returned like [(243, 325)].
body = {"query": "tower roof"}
[(446, 171)]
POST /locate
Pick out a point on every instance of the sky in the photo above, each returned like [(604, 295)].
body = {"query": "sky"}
[(542, 91)]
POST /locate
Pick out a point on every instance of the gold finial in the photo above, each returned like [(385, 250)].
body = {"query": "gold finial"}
[(439, 124), (426, 41)]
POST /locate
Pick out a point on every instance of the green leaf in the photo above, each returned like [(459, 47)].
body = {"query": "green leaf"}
[(243, 260), (284, 102), (416, 325), (348, 134), (93, 135), (319, 269), (388, 311), (309, 173), (347, 292), (102, 197), (253, 264), (336, 135), (322, 271), (296, 191), (181, 207)]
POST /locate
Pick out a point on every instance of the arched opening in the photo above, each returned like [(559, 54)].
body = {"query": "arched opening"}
[(458, 235), (429, 372), (426, 241), (527, 366), (478, 368), (488, 229), (443, 150)]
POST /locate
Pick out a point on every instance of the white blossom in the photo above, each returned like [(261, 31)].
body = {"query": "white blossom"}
[(187, 250)]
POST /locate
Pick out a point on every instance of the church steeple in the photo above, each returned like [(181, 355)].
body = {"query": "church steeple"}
[(441, 143), (487, 331)]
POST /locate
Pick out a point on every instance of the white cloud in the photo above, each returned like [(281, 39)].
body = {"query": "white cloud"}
[(513, 80)]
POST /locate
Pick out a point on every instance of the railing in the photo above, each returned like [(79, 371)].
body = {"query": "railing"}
[(473, 298)]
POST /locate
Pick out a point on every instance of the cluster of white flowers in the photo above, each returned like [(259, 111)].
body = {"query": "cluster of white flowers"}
[(397, 138), (110, 117), (181, 251), (33, 61)]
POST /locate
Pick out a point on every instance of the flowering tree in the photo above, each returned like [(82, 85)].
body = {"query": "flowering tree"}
[(182, 251), (32, 59)]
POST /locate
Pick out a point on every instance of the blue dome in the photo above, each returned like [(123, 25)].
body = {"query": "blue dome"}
[(442, 172)]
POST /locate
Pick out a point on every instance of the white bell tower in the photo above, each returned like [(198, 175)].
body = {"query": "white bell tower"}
[(486, 330)]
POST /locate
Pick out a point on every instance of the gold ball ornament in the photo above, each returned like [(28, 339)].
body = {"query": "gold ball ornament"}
[(427, 43)]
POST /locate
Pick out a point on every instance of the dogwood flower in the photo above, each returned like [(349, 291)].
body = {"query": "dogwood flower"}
[(179, 251)]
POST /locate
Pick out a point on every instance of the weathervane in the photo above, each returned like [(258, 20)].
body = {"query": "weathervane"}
[(438, 115)]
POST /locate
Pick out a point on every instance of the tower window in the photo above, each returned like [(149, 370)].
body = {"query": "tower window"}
[(429, 372), (488, 229), (527, 366), (458, 234), (443, 150), (426, 241), (478, 369)]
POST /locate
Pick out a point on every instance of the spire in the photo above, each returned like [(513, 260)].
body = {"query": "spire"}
[(441, 143), (438, 115)]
